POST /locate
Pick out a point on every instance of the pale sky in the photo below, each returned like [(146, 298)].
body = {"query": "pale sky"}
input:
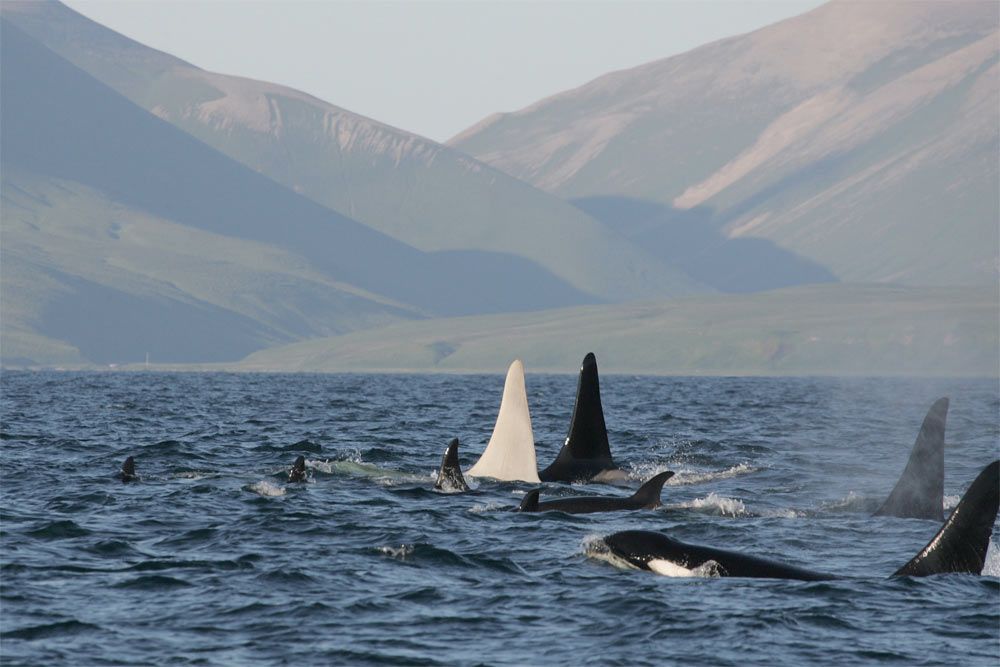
[(433, 68)]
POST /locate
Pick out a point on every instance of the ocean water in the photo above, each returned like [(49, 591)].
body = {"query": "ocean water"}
[(212, 559)]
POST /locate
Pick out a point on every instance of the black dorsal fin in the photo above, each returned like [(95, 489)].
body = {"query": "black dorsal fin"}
[(298, 471), (649, 493), (450, 476), (961, 544), (586, 451), (530, 502), (128, 470), (919, 493)]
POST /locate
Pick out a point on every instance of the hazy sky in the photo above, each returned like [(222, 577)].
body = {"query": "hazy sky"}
[(433, 68)]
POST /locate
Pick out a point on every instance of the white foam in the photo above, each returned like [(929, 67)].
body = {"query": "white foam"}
[(714, 504), (401, 552), (991, 566), (596, 548), (266, 488), (510, 454), (951, 501), (488, 507), (685, 476)]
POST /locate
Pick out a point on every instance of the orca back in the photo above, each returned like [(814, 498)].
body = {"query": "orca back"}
[(919, 493)]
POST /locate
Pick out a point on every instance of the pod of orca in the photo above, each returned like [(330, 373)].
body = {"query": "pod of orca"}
[(960, 546)]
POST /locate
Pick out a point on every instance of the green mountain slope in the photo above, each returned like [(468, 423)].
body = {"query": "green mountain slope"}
[(858, 120), (422, 193), (834, 329)]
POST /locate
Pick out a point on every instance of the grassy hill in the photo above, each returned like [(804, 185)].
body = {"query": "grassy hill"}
[(829, 329)]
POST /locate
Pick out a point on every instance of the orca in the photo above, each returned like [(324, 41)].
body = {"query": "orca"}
[(298, 471), (510, 453), (647, 497), (128, 473), (959, 546), (450, 476), (919, 493), (586, 454)]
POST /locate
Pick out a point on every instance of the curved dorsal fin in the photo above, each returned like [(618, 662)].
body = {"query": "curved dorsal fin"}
[(510, 454), (649, 493), (530, 502), (128, 470), (450, 475), (919, 493), (586, 451), (961, 544)]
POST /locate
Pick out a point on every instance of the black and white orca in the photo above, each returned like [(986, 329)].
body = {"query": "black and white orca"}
[(960, 546), (919, 493), (647, 497), (450, 475), (298, 471), (127, 473), (586, 454)]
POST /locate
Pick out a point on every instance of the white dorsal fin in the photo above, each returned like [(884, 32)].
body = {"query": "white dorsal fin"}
[(510, 455)]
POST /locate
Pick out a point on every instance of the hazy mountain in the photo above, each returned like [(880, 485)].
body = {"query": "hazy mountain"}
[(123, 234), (417, 191), (862, 136), (821, 329)]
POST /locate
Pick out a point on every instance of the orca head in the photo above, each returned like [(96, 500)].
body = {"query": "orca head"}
[(128, 473), (639, 547), (298, 471)]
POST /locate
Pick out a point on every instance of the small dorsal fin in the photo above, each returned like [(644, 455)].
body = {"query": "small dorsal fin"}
[(649, 493), (298, 471), (510, 454), (128, 470), (450, 475), (961, 544), (586, 451), (919, 493), (530, 502)]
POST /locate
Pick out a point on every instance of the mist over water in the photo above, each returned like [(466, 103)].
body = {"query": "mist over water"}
[(213, 558)]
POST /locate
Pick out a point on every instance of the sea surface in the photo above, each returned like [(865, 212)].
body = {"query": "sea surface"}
[(213, 559)]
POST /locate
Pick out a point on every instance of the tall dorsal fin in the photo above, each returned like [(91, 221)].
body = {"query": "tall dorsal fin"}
[(961, 544), (450, 475), (649, 493), (586, 451), (530, 502), (510, 454), (919, 493)]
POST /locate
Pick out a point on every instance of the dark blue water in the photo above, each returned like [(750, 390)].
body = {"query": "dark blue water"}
[(213, 559)]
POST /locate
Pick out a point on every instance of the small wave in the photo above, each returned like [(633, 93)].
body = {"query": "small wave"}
[(596, 548), (852, 502), (267, 489), (59, 530), (685, 477), (714, 504), (50, 630), (951, 501), (152, 582)]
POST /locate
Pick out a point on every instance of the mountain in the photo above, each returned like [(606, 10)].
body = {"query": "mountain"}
[(809, 330), (419, 192), (124, 235), (861, 137)]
